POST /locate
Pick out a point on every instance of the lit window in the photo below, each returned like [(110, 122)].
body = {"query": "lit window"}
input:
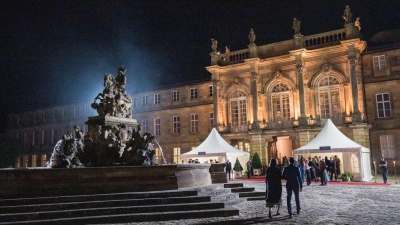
[(280, 102), (177, 124), (157, 127), (34, 160), (176, 96), (388, 147), (177, 153), (43, 162), (193, 93), (379, 62), (25, 161), (247, 147), (145, 126), (383, 105), (329, 98), (157, 99), (194, 123), (144, 100)]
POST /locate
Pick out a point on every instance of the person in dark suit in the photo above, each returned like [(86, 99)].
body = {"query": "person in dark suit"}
[(313, 169), (293, 184), (323, 173), (333, 168), (228, 168), (384, 169)]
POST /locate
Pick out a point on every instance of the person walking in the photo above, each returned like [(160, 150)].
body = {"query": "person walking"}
[(308, 173), (228, 168), (293, 184), (273, 192), (322, 171), (384, 169), (313, 169), (302, 168), (248, 165)]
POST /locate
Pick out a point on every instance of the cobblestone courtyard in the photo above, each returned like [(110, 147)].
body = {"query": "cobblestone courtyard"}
[(331, 204)]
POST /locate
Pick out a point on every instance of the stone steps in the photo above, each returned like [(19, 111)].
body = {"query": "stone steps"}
[(114, 208), (245, 192)]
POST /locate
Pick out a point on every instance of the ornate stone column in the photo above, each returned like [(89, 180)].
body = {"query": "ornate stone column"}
[(215, 83), (300, 69), (356, 117), (254, 92)]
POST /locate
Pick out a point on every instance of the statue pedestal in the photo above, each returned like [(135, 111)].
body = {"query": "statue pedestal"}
[(105, 121)]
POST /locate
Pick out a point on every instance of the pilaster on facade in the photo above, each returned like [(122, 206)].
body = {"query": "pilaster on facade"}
[(300, 70)]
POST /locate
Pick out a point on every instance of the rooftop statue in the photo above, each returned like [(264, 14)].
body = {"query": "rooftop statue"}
[(252, 36), (114, 101), (357, 23), (347, 15), (227, 49), (214, 44), (296, 26)]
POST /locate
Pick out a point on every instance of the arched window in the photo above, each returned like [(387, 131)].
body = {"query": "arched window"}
[(329, 98), (238, 108), (280, 102)]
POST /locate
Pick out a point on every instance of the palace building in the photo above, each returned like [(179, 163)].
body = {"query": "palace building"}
[(268, 99)]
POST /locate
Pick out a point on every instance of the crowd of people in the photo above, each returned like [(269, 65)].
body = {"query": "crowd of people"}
[(296, 173)]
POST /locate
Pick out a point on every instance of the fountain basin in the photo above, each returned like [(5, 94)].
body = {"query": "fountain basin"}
[(44, 182)]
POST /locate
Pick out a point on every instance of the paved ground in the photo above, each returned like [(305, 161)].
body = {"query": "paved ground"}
[(331, 204)]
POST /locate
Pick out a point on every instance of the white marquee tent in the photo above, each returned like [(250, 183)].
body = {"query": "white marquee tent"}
[(354, 158), (216, 148)]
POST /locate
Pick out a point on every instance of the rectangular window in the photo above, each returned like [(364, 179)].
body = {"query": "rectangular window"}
[(43, 161), (25, 161), (145, 126), (194, 122), (240, 145), (176, 96), (177, 154), (211, 120), (379, 62), (44, 137), (54, 137), (210, 90), (247, 147), (193, 93), (177, 124), (134, 102), (157, 99), (34, 160), (76, 110), (144, 100), (383, 105), (157, 127), (34, 138), (388, 147)]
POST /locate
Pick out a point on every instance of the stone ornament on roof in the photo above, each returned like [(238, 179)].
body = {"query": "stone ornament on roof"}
[(214, 44), (252, 37), (347, 15), (357, 23), (296, 26)]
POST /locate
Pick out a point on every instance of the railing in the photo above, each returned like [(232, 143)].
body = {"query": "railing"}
[(232, 57), (337, 120), (324, 38), (281, 124)]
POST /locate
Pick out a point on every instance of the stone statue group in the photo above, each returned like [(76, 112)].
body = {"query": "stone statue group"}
[(106, 144)]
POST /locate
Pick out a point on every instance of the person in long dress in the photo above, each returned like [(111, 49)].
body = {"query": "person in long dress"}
[(273, 194)]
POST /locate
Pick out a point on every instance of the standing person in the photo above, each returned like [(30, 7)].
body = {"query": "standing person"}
[(337, 165), (316, 160), (228, 168), (333, 168), (322, 172), (328, 165), (293, 184), (248, 165), (308, 173), (273, 192), (302, 168), (384, 169), (313, 169)]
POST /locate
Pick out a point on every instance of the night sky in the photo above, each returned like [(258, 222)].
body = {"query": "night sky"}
[(57, 52)]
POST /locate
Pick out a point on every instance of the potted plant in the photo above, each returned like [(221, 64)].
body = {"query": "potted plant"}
[(256, 164), (238, 168), (346, 176)]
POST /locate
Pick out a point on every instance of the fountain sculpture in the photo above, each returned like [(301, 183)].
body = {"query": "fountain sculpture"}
[(114, 138)]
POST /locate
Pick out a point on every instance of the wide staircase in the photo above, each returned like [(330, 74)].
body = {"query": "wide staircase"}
[(112, 208), (214, 200)]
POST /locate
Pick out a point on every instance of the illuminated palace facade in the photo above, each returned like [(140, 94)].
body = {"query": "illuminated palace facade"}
[(268, 99)]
